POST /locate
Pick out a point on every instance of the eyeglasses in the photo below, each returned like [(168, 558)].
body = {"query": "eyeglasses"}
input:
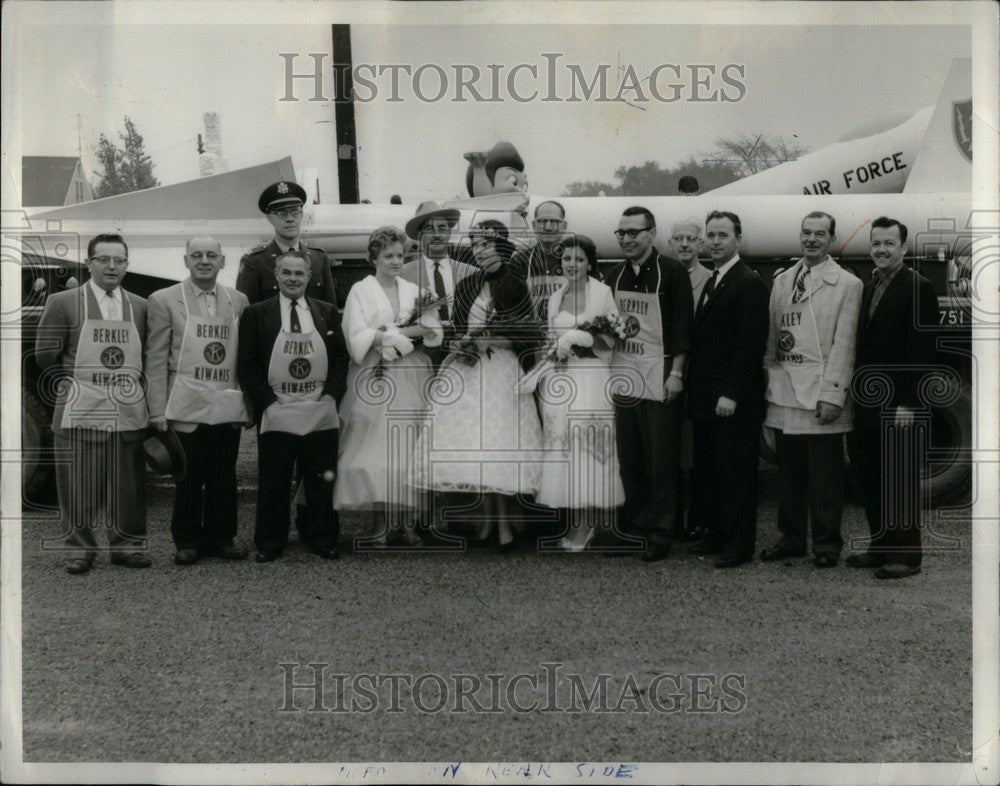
[(632, 234), (119, 261), (550, 222), (290, 212)]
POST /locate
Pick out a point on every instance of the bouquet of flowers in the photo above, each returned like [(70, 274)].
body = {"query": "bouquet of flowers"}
[(578, 342), (427, 303), (467, 350), (395, 345)]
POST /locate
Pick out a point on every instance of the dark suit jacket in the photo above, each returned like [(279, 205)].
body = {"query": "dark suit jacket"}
[(902, 332), (256, 276), (57, 337), (259, 328), (727, 352)]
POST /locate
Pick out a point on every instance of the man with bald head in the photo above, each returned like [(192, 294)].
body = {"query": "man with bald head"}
[(685, 244), (191, 373)]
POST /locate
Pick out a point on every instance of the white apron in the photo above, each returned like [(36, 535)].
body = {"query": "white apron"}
[(799, 356), (108, 393), (204, 389), (542, 288), (640, 355), (297, 373)]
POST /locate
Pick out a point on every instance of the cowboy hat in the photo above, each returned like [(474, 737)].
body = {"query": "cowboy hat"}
[(165, 455), (427, 211)]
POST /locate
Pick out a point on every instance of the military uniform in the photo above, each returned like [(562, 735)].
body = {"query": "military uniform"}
[(256, 277)]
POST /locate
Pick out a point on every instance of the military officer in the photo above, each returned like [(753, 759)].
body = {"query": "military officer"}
[(282, 204)]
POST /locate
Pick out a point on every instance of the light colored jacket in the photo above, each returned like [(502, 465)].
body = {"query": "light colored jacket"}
[(834, 296)]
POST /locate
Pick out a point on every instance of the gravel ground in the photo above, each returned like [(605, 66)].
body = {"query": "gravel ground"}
[(181, 664)]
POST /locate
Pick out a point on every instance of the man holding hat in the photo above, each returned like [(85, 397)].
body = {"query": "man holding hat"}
[(434, 269), (282, 204), (93, 337), (191, 371)]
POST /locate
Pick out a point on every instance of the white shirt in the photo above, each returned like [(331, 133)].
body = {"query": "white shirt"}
[(207, 299), (302, 307), (726, 268), (444, 265), (111, 308)]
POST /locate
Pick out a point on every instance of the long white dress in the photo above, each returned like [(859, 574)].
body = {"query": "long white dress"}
[(383, 410), (580, 466), (484, 433)]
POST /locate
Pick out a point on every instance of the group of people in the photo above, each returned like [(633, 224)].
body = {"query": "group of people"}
[(467, 401)]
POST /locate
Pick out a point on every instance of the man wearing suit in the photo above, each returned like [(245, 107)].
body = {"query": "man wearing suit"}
[(809, 361), (896, 343), (685, 245), (93, 337), (293, 365), (434, 269), (653, 295), (282, 204), (191, 372), (726, 395)]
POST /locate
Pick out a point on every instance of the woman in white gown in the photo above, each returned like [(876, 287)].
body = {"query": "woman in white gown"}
[(384, 408), (580, 468), (485, 433)]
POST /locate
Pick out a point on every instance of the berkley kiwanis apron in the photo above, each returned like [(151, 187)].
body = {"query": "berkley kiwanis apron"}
[(204, 389), (800, 357), (297, 373), (640, 355), (541, 288), (108, 374)]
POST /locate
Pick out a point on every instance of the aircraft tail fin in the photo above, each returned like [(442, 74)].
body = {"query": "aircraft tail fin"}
[(227, 195), (944, 158)]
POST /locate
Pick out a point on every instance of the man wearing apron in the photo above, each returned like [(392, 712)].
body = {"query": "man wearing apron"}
[(93, 336), (809, 361), (292, 364), (653, 294), (540, 265), (191, 371)]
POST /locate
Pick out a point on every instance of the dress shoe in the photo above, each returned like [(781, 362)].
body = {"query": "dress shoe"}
[(693, 534), (655, 553), (225, 551), (865, 560), (78, 566), (826, 560), (266, 556), (185, 557), (896, 571), (326, 552), (774, 553), (132, 561), (704, 547), (731, 561)]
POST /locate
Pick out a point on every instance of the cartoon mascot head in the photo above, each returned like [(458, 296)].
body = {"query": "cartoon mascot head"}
[(499, 171)]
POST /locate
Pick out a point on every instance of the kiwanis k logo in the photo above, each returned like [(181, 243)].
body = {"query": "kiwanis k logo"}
[(112, 357), (631, 326), (215, 353), (299, 368), (786, 341)]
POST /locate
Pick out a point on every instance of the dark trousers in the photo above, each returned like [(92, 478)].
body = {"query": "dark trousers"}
[(811, 473), (725, 482), (648, 435), (104, 474), (205, 501), (888, 471), (316, 455)]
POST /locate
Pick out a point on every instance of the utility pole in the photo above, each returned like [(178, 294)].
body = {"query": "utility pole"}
[(343, 108)]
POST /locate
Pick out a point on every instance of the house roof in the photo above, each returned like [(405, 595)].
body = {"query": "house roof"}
[(45, 180)]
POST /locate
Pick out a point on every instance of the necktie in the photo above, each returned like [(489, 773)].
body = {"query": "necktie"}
[(440, 291), (113, 308), (706, 292), (800, 286), (293, 318), (210, 303)]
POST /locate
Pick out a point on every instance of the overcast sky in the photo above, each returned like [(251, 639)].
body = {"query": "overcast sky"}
[(815, 83)]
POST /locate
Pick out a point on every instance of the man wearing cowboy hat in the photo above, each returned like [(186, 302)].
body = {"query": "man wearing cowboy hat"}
[(282, 204), (93, 336), (191, 371), (434, 269)]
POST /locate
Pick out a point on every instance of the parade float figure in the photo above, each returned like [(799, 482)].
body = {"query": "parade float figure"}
[(500, 171)]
